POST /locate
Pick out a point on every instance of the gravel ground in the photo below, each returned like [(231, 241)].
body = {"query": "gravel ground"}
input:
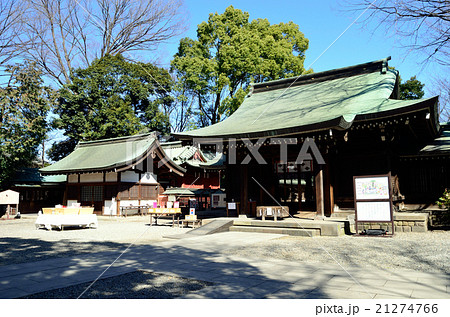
[(135, 285), (20, 241), (428, 252)]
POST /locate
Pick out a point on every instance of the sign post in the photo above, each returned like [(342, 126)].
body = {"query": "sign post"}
[(373, 199)]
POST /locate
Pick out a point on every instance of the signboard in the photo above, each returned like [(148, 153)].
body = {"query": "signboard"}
[(231, 206), (373, 199), (371, 188), (9, 197), (192, 211), (379, 211)]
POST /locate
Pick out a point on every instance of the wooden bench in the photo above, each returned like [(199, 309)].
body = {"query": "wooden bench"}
[(186, 222), (158, 212), (272, 211)]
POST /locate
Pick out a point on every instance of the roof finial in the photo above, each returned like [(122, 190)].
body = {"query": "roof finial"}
[(385, 66)]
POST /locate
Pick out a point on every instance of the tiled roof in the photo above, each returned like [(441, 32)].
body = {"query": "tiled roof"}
[(332, 99), (108, 155)]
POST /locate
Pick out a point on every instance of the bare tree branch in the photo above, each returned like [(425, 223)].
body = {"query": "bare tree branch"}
[(63, 34), (10, 27), (441, 87), (424, 26)]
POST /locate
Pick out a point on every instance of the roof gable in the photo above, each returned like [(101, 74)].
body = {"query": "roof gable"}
[(110, 154)]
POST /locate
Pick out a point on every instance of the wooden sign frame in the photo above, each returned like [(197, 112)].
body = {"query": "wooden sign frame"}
[(375, 205)]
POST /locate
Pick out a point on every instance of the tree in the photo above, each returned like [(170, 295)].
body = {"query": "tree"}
[(60, 35), (424, 25), (24, 105), (182, 113), (411, 89), (441, 87), (230, 52), (112, 98)]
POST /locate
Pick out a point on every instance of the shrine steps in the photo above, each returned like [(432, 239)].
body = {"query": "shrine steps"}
[(287, 231), (289, 226)]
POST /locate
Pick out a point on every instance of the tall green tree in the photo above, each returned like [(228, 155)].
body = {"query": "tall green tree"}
[(229, 53), (112, 98), (24, 105), (411, 89)]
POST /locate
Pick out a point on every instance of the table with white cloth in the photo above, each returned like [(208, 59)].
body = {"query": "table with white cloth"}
[(61, 221)]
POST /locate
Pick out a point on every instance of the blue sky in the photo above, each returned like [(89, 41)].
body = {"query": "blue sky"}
[(321, 22)]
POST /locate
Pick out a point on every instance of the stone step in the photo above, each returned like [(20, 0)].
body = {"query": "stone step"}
[(287, 231), (326, 228), (214, 226)]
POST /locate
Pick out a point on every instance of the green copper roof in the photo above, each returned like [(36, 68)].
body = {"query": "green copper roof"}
[(331, 99), (107, 155), (440, 145), (32, 176), (180, 191), (185, 155)]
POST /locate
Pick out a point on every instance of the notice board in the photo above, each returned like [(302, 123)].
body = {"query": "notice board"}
[(373, 199)]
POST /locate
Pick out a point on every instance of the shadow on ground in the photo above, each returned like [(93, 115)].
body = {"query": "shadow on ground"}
[(205, 273), (17, 250), (134, 285)]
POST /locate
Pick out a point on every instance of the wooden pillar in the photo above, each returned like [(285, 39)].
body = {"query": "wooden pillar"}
[(139, 189), (319, 191), (119, 179), (104, 192), (66, 192), (299, 187), (328, 189), (79, 188), (244, 188)]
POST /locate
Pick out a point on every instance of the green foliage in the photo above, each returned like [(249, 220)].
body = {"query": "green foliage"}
[(112, 98), (231, 52), (441, 218), (24, 105), (444, 200), (61, 149), (411, 89)]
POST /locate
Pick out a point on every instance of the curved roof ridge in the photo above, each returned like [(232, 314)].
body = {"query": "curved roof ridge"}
[(369, 67), (118, 139)]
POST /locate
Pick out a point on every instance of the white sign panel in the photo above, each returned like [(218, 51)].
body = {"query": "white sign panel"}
[(372, 188), (374, 210), (231, 205), (9, 197)]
